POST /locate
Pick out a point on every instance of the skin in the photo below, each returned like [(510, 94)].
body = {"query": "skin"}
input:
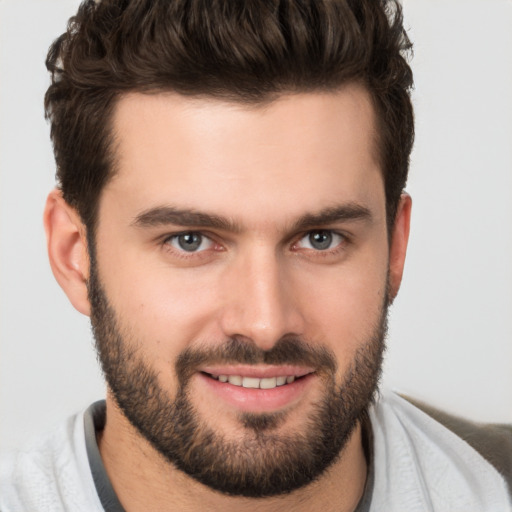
[(261, 168)]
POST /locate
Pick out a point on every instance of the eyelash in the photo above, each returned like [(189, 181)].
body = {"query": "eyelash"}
[(186, 255)]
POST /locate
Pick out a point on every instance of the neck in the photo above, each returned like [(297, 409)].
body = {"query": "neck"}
[(144, 480)]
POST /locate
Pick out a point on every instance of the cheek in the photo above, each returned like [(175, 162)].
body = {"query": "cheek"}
[(162, 308), (345, 308)]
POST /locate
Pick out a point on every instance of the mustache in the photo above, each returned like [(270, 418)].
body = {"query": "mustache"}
[(288, 350)]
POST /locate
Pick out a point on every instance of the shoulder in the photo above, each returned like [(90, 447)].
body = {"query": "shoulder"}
[(493, 441), (49, 474), (420, 460)]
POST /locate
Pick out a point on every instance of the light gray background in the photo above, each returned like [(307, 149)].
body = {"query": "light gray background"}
[(450, 340)]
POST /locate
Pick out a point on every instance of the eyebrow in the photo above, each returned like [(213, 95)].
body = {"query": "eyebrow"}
[(343, 213), (165, 215)]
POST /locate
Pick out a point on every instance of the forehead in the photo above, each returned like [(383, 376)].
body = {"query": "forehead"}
[(297, 153)]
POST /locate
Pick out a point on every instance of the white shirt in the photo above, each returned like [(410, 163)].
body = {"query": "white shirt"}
[(422, 466), (418, 466)]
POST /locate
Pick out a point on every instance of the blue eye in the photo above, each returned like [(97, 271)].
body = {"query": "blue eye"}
[(320, 240), (190, 242)]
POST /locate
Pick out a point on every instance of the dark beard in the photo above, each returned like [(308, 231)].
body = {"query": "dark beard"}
[(265, 462)]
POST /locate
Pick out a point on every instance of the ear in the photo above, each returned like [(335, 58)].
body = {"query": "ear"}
[(398, 244), (67, 249)]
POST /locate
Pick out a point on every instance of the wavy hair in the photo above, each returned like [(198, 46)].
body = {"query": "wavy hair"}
[(244, 51)]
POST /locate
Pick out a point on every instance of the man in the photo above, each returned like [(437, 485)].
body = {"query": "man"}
[(230, 214)]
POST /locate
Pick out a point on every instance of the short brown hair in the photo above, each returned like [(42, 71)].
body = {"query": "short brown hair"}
[(245, 51)]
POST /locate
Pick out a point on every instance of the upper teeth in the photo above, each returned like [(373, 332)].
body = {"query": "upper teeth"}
[(255, 382)]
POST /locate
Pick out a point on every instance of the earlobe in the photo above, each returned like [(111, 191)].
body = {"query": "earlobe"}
[(67, 249), (398, 244)]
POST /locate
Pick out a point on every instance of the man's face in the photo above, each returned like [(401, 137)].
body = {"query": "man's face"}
[(239, 287)]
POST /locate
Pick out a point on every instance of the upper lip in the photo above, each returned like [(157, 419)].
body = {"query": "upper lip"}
[(257, 371)]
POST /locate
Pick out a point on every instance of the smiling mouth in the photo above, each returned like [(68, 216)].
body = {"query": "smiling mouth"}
[(255, 382)]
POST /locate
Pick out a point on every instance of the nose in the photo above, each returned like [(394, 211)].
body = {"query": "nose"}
[(260, 303)]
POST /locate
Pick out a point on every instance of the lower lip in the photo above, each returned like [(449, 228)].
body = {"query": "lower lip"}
[(258, 400)]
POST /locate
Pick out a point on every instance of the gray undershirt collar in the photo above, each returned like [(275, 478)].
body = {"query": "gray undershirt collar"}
[(94, 422)]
